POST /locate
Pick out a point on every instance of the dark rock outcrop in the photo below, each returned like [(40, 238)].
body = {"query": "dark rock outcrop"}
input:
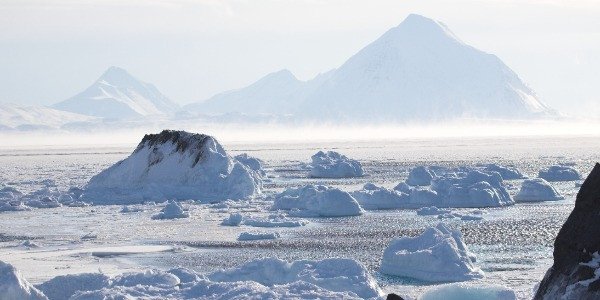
[(572, 276)]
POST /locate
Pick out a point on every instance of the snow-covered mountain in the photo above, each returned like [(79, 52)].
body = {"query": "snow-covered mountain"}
[(418, 70), (117, 94), (13, 116)]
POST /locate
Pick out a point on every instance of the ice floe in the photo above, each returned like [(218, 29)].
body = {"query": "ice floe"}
[(173, 210), (559, 173), (272, 220), (462, 291), (437, 255), (317, 201), (253, 236), (537, 189), (332, 164), (419, 176), (174, 165)]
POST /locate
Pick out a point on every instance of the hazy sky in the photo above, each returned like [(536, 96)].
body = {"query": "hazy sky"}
[(192, 49)]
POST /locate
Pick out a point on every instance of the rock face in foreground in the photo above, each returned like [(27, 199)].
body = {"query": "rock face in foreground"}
[(575, 273), (173, 165)]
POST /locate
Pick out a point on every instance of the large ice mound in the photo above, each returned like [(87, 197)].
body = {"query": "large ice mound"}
[(537, 189), (507, 173), (559, 173), (317, 201), (14, 287), (437, 255), (374, 197), (461, 291), (467, 189), (331, 164), (174, 165)]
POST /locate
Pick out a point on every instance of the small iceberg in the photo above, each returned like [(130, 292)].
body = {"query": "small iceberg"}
[(254, 236), (437, 255), (419, 176), (559, 173), (332, 164), (507, 173), (374, 197), (317, 201), (173, 210), (275, 220), (537, 189), (233, 220), (432, 211), (462, 291)]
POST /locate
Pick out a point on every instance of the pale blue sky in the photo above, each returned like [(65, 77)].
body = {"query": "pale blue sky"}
[(192, 49)]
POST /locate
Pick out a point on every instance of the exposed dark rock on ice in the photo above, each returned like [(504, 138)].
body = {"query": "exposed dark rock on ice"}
[(575, 273)]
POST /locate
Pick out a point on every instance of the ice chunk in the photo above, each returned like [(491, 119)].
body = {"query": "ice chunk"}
[(437, 255), (334, 274), (233, 220), (537, 189), (63, 287), (461, 291), (432, 211), (252, 163), (331, 164), (253, 236), (471, 189), (173, 210), (275, 220), (507, 173), (14, 287), (419, 176), (559, 173), (45, 202), (317, 201), (174, 165), (373, 197), (153, 278)]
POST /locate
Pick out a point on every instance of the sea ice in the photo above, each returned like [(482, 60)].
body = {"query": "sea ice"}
[(253, 236), (274, 220), (419, 176), (331, 164), (537, 189), (173, 210), (432, 211), (174, 165), (317, 201), (507, 173), (461, 291), (373, 197), (559, 173), (437, 255), (14, 287)]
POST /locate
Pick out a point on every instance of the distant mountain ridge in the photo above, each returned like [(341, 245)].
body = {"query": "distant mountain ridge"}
[(117, 94), (418, 70), (13, 116)]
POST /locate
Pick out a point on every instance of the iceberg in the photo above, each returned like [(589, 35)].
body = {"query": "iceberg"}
[(537, 189), (274, 220), (470, 189), (317, 201), (174, 165), (254, 236), (559, 173), (251, 163), (373, 197), (507, 173), (437, 255), (233, 220), (432, 211), (419, 176), (14, 287), (173, 210), (461, 291), (331, 164)]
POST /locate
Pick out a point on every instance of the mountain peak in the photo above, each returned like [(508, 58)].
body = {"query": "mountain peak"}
[(418, 27), (116, 75), (282, 74)]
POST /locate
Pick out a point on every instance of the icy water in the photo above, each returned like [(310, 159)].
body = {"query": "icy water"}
[(513, 244)]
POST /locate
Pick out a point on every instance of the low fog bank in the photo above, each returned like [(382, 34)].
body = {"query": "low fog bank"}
[(270, 133)]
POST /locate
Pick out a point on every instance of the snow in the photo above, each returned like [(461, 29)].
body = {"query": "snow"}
[(253, 236), (437, 255), (117, 94), (173, 210), (317, 201), (432, 211), (462, 291), (419, 176), (373, 197), (14, 287), (174, 165), (577, 289), (559, 173), (537, 189), (332, 164), (507, 173), (22, 117)]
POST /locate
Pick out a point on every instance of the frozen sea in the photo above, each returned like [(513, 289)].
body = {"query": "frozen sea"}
[(513, 244)]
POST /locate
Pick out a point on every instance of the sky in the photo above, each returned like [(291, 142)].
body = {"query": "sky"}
[(192, 49)]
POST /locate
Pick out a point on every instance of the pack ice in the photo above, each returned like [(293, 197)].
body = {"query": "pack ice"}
[(317, 201), (437, 255), (332, 164), (174, 165), (537, 189), (559, 173)]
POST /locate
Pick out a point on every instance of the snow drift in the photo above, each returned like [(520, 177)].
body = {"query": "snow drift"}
[(173, 165), (437, 255)]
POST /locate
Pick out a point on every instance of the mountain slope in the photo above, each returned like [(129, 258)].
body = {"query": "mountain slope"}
[(117, 94), (15, 116)]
